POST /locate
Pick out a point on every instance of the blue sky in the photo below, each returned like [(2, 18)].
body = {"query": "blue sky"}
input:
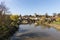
[(29, 7)]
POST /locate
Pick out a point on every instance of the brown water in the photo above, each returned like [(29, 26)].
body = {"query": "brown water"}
[(32, 32)]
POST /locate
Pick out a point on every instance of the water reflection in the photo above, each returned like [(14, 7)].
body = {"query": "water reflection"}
[(39, 34), (32, 32)]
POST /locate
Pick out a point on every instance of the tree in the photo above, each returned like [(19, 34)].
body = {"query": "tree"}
[(20, 15), (3, 16), (54, 14), (35, 14), (58, 14), (46, 15), (3, 8)]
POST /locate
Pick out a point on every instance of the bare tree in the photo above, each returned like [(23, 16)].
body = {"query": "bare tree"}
[(3, 8), (3, 11)]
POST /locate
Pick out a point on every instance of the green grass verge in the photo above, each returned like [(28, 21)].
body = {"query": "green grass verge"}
[(56, 23)]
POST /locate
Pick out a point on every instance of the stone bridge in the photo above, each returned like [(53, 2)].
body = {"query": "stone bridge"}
[(27, 20)]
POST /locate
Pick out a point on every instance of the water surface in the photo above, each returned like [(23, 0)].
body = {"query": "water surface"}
[(32, 32)]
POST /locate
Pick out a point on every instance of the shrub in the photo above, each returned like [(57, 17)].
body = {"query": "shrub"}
[(58, 19), (14, 17)]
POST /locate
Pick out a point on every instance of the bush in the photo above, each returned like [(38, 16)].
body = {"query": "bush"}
[(58, 19), (14, 17)]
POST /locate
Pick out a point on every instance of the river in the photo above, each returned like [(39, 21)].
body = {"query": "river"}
[(32, 32)]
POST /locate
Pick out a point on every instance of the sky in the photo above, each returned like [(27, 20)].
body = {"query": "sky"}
[(29, 7)]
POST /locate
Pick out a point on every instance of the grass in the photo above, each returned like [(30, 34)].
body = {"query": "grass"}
[(56, 23)]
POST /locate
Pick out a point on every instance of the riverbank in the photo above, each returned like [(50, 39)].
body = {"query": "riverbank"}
[(57, 26), (7, 33)]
